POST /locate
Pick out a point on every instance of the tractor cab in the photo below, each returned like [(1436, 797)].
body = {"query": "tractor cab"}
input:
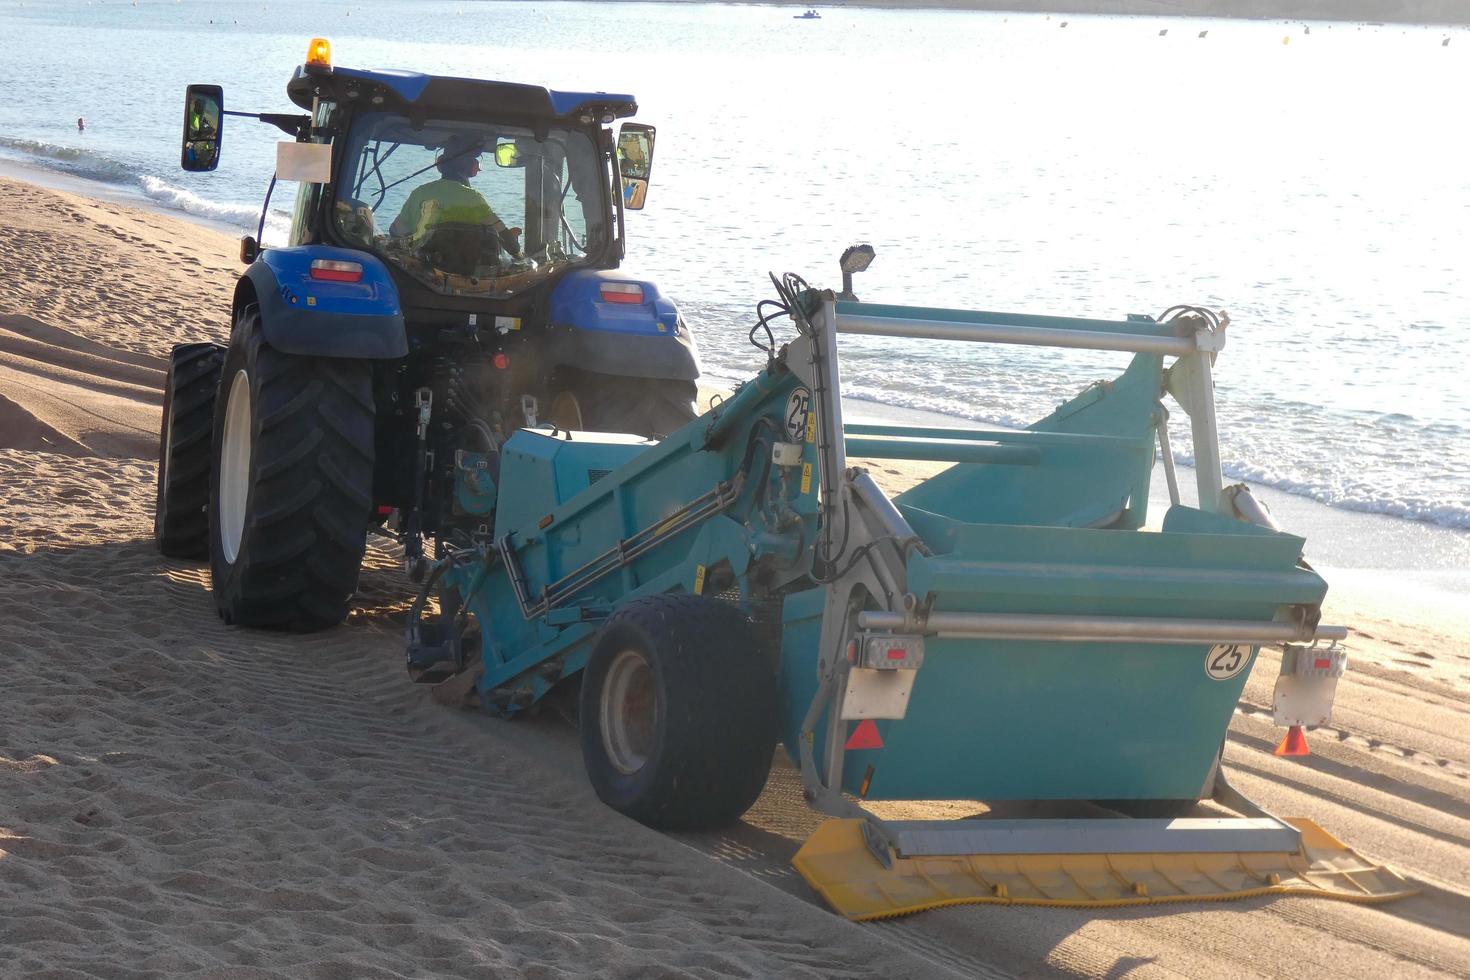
[(468, 188), (464, 188)]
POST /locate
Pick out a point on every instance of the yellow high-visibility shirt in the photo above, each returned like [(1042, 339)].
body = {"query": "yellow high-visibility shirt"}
[(446, 202)]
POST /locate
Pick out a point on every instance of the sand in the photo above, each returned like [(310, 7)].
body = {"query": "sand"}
[(179, 798)]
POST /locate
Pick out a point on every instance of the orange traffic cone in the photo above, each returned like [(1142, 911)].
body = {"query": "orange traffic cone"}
[(1294, 744)]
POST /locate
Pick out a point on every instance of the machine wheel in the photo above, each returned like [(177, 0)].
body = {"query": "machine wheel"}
[(678, 713), (643, 406), (291, 489), (180, 524)]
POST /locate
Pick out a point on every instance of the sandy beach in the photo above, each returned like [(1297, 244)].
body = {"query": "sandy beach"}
[(182, 798)]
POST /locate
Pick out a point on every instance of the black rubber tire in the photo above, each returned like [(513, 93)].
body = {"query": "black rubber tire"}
[(308, 495), (180, 523), (714, 729), (643, 406)]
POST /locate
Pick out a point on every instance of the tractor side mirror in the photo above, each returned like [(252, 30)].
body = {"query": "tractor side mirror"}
[(635, 161), (508, 154), (204, 117)]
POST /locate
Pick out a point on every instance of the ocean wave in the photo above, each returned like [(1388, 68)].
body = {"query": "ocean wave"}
[(89, 165), (243, 216), (73, 160), (186, 200), (1366, 500)]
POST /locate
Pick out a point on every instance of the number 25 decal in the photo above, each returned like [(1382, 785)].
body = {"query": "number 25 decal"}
[(1225, 660), (798, 409)]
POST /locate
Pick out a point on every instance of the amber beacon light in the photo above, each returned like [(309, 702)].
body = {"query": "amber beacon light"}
[(319, 52)]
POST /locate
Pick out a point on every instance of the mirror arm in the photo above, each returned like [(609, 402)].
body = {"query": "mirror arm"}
[(294, 126)]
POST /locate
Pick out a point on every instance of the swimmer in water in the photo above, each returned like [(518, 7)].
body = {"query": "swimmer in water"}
[(81, 124)]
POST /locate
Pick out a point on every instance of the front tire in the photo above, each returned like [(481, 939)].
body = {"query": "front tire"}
[(678, 713), (180, 522), (291, 486)]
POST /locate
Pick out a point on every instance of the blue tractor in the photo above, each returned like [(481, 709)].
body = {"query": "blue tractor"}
[(451, 276)]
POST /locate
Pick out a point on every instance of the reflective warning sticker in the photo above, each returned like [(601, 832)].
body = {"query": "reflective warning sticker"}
[(507, 323), (864, 736), (806, 477), (699, 580)]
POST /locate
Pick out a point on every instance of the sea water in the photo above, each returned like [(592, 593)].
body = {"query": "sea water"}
[(1314, 183)]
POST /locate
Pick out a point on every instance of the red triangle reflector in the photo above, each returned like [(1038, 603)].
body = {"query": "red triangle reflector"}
[(1294, 744), (865, 736)]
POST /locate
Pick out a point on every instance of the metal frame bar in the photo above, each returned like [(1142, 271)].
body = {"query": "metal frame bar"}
[(1126, 835), (1039, 438), (1119, 338), (1207, 471), (1099, 629), (621, 555), (943, 450), (1167, 454)]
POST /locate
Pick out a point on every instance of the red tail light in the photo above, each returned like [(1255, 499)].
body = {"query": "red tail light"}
[(331, 271), (622, 292), (501, 361)]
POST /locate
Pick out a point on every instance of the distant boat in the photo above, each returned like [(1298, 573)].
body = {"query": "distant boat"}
[(809, 15)]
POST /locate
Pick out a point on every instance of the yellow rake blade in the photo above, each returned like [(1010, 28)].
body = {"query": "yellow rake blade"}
[(836, 862)]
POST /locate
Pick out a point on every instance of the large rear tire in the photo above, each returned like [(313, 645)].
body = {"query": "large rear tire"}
[(678, 712), (180, 524), (291, 487)]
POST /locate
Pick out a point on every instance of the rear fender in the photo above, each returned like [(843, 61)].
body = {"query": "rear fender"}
[(647, 339), (319, 318)]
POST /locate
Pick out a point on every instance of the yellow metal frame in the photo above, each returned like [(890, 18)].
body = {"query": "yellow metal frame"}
[(837, 862)]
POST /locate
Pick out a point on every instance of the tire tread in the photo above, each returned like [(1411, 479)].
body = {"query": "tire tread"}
[(720, 734), (180, 522), (305, 530)]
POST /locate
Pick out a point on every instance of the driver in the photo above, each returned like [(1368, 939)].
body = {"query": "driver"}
[(451, 199)]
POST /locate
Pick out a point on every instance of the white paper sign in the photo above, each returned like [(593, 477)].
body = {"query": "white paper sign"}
[(309, 163)]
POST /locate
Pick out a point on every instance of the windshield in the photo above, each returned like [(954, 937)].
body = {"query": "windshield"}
[(471, 208)]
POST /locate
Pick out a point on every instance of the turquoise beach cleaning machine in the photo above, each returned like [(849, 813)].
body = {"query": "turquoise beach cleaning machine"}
[(1007, 630)]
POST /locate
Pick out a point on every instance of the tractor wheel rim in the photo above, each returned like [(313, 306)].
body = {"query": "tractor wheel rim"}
[(629, 709), (234, 467), (167, 449)]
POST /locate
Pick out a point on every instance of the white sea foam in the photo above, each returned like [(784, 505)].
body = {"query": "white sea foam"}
[(1393, 502), (242, 216), (185, 200)]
